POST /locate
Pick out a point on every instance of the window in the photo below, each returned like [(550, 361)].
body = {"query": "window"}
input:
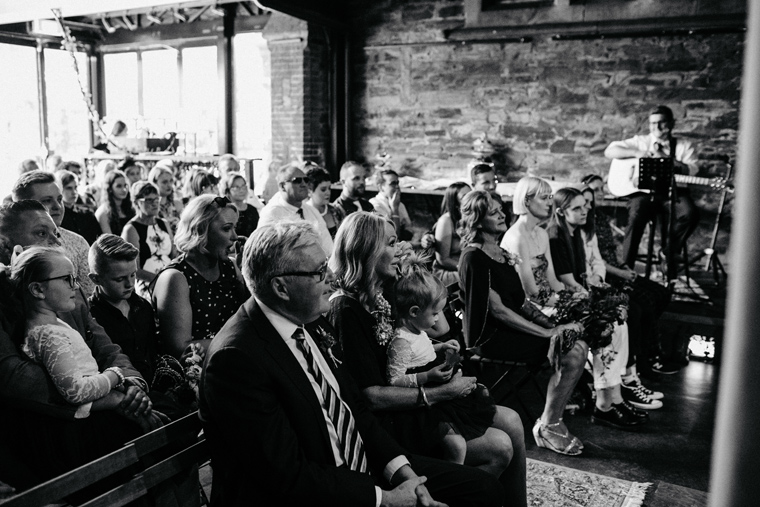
[(122, 101), (200, 98), (19, 112), (67, 116)]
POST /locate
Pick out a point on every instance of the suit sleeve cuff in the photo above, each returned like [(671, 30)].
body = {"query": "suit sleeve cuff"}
[(393, 465), (378, 496)]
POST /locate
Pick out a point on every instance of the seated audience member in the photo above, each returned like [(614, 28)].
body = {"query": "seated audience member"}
[(319, 197), (268, 390), (93, 192), (47, 432), (28, 165), (235, 188), (196, 294), (229, 164), (388, 203), (133, 170), (77, 217), (448, 245), (353, 176), (170, 208), (53, 162), (73, 167), (125, 316), (149, 234), (652, 297), (365, 258), (288, 205), (483, 177), (116, 209), (198, 181), (494, 323), (567, 251), (41, 186)]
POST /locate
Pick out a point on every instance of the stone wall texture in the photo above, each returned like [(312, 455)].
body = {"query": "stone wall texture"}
[(554, 105)]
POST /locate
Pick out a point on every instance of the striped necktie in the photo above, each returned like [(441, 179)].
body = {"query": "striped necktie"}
[(349, 440)]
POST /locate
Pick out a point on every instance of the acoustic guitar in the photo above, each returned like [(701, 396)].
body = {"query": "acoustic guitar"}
[(623, 179)]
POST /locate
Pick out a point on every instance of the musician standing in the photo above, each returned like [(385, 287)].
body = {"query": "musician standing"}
[(641, 206)]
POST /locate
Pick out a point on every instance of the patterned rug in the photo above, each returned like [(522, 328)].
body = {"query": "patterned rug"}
[(556, 486)]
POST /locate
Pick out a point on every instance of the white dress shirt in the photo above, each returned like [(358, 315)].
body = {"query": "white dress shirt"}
[(285, 328), (278, 210)]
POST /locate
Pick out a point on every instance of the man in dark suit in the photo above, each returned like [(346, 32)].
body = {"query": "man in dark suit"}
[(286, 424)]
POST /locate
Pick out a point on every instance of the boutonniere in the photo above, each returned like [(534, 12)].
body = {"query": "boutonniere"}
[(512, 258), (325, 342), (384, 329)]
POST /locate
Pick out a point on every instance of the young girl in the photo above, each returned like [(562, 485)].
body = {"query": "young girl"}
[(414, 361), (45, 282)]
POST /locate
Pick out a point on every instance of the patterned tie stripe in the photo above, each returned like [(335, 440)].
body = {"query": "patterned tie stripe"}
[(349, 440)]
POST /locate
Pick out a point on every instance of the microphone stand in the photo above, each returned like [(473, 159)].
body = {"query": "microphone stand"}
[(713, 259)]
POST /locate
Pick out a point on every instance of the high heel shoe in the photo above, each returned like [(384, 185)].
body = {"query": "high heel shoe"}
[(574, 448)]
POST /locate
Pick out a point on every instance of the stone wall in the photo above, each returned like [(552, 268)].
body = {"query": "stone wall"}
[(554, 105)]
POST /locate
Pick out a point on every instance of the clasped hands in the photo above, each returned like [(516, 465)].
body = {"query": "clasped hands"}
[(136, 406), (410, 492)]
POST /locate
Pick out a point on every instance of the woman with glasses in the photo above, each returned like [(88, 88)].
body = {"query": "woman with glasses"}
[(235, 188), (364, 262), (44, 280), (149, 234), (195, 295)]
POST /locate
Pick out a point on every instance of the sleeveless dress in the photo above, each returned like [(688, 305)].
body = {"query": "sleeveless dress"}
[(213, 302), (155, 248)]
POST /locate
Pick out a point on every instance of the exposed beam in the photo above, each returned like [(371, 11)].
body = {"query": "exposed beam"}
[(308, 11)]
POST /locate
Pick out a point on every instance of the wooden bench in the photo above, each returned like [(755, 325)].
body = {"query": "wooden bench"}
[(144, 461)]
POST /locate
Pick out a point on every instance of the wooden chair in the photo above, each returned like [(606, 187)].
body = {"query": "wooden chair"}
[(143, 460), (513, 375)]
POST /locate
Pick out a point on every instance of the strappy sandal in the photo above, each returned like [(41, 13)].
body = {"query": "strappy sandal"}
[(574, 448)]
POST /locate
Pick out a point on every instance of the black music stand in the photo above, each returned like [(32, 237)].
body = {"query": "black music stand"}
[(656, 174)]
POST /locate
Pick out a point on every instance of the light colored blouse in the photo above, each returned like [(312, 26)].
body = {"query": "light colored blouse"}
[(69, 362), (406, 351)]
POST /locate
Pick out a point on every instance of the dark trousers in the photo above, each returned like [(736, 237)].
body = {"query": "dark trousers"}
[(459, 485), (643, 207)]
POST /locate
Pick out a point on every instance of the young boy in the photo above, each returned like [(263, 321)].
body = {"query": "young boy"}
[(127, 318)]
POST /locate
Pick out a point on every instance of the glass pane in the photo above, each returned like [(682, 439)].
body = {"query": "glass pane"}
[(201, 94), (121, 81), (253, 104), (67, 116), (19, 112), (160, 91)]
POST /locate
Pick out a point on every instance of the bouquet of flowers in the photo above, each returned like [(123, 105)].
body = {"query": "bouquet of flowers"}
[(597, 311)]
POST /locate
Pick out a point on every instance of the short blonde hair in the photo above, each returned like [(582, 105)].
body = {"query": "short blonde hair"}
[(192, 229), (528, 188)]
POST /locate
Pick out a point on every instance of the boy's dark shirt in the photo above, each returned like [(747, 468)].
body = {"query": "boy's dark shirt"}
[(136, 335)]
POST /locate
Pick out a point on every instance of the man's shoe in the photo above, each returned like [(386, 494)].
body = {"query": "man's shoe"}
[(618, 416), (664, 368), (634, 394)]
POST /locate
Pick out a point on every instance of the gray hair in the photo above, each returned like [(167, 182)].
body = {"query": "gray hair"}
[(274, 249)]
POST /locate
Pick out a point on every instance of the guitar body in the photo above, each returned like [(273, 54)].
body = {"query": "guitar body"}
[(623, 179)]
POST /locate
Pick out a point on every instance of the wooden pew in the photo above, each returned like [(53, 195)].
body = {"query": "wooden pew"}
[(145, 458)]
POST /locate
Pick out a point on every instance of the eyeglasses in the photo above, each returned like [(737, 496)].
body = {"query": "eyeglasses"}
[(222, 202), (298, 180), (239, 187), (393, 183), (321, 273), (73, 280)]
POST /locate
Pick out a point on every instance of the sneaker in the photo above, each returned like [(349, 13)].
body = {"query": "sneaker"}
[(634, 394), (665, 368), (618, 416), (655, 395)]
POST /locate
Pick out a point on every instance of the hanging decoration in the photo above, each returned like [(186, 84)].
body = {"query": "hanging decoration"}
[(69, 43)]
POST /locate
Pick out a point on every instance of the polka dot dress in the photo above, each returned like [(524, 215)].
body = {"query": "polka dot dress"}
[(213, 303)]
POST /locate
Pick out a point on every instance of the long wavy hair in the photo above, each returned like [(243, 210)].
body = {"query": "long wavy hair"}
[(359, 243), (475, 206), (110, 201), (451, 204)]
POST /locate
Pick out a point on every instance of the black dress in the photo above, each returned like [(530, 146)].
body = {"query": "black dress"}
[(478, 273), (419, 430), (247, 221)]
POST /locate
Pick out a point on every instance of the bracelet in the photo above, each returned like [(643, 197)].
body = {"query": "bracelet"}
[(424, 397), (119, 374)]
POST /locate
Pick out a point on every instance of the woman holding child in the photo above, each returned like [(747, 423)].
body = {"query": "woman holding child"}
[(202, 289), (364, 261)]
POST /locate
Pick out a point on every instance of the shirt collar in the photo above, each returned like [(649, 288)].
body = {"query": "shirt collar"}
[(282, 325)]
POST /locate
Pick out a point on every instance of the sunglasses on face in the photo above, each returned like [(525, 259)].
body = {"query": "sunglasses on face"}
[(73, 280), (298, 180)]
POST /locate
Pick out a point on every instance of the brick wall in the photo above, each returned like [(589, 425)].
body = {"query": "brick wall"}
[(554, 105)]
